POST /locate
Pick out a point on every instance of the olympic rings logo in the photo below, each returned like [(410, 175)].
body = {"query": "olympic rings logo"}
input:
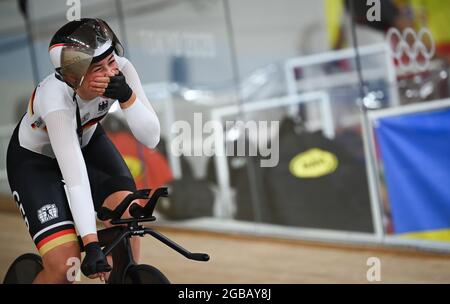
[(410, 49)]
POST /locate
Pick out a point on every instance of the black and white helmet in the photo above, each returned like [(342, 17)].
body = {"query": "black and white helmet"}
[(78, 44)]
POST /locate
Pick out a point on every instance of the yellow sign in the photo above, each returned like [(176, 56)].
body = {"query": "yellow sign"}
[(135, 165), (438, 235), (313, 163)]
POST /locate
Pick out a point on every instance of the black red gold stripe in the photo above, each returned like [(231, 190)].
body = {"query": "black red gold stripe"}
[(56, 45), (93, 121), (56, 239), (31, 102)]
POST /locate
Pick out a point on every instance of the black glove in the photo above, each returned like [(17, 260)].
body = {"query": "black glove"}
[(118, 88), (94, 261)]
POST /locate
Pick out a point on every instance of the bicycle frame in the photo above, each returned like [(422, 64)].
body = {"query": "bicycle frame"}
[(116, 240)]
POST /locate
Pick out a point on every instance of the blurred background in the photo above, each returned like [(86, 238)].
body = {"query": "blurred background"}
[(365, 85)]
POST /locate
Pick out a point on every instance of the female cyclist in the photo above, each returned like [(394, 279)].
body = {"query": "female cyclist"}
[(61, 165)]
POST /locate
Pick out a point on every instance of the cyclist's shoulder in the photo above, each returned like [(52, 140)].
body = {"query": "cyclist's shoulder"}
[(52, 92), (51, 83), (121, 61)]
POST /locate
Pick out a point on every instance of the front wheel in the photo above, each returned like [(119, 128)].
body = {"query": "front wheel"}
[(144, 274), (24, 269)]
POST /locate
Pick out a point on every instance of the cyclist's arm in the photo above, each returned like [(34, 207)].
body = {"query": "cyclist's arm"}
[(140, 115), (61, 128)]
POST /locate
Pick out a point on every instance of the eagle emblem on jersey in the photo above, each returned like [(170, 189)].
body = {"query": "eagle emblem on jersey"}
[(47, 213), (102, 106)]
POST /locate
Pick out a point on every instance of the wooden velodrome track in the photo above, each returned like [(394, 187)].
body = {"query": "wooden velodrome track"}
[(244, 259)]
